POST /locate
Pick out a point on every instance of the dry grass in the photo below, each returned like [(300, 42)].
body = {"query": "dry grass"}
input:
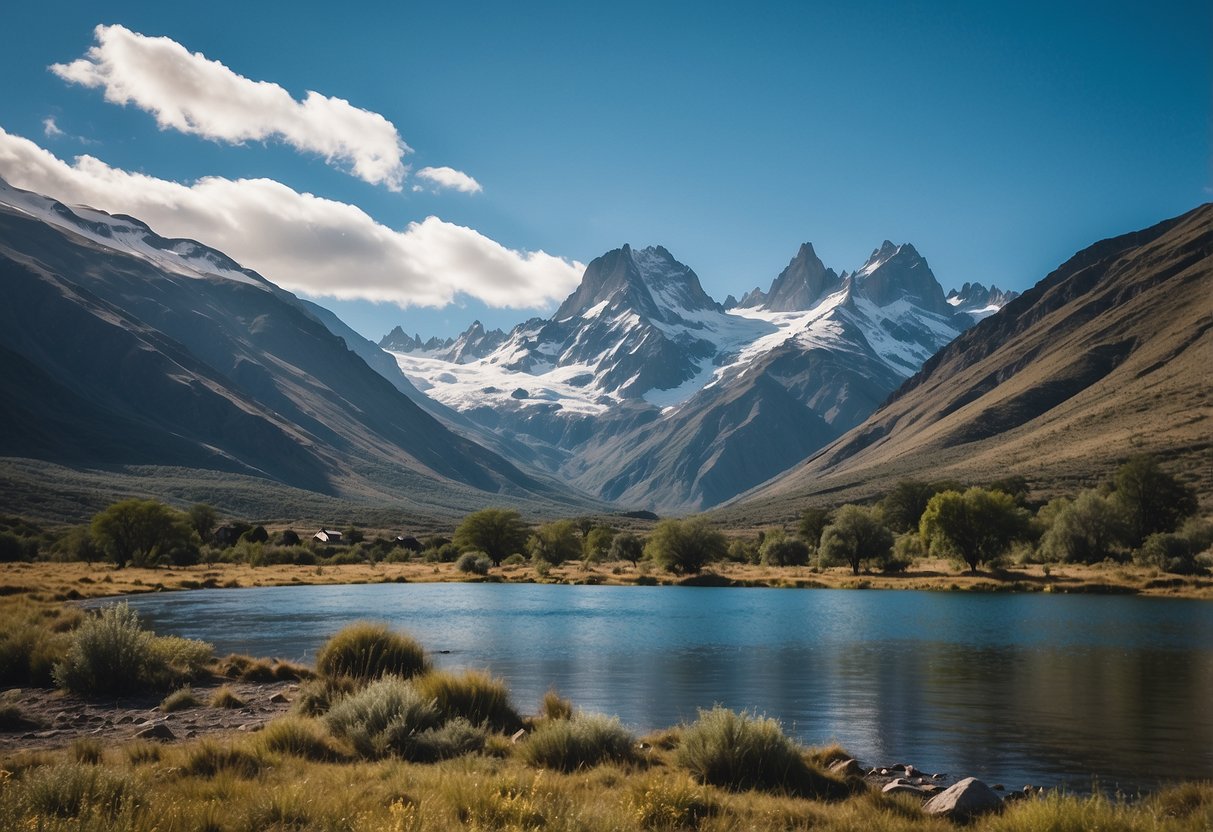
[(241, 785)]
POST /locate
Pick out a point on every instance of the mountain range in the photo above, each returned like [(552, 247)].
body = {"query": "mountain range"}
[(145, 366), (641, 389)]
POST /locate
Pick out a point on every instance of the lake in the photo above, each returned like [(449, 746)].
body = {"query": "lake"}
[(1013, 688)]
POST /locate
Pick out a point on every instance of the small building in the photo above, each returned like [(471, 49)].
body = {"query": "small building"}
[(412, 544), (327, 536)]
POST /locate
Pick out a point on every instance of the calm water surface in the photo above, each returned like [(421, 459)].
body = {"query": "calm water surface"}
[(1016, 689)]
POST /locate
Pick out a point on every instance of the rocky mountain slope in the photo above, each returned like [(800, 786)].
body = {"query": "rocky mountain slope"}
[(643, 389), (120, 348), (1107, 357)]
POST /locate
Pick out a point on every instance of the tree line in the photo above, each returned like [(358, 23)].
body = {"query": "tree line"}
[(1141, 513)]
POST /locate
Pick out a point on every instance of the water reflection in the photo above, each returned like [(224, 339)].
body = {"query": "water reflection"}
[(1013, 688)]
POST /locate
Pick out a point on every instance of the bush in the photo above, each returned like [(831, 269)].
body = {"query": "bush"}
[(454, 739), (473, 563), (742, 751), (584, 741), (1086, 530), (665, 804), (111, 653), (29, 653), (369, 651), (383, 718), (142, 532), (626, 546), (977, 526), (497, 532), (779, 550), (317, 696), (475, 696), (1172, 553)]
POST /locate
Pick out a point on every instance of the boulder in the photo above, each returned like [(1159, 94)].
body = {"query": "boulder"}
[(902, 786), (159, 731), (966, 799)]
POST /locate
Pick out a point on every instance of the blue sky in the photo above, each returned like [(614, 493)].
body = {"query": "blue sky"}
[(999, 138)]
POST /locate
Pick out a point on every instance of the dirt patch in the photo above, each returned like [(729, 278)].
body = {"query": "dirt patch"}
[(56, 719)]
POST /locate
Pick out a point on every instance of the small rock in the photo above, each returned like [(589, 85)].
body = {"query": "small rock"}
[(898, 767), (884, 772), (279, 699), (966, 799), (938, 776), (125, 719), (910, 770), (846, 768), (159, 731)]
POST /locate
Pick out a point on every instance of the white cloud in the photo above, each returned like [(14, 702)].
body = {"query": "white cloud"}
[(444, 178), (50, 129), (303, 242), (187, 92)]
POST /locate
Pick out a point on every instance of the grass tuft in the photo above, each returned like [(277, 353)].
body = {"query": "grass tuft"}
[(87, 751), (474, 696), (74, 791), (743, 751), (225, 697), (180, 700), (367, 651), (298, 737), (383, 718), (208, 759), (584, 741), (555, 706)]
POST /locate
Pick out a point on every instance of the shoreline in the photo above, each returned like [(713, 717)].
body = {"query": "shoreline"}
[(46, 581)]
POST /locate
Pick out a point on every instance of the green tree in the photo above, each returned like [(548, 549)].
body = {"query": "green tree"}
[(1152, 500), (902, 507), (857, 535), (597, 543), (554, 543), (1085, 530), (626, 546), (685, 546), (977, 526), (498, 532), (204, 519), (142, 532), (77, 544), (780, 550), (812, 522)]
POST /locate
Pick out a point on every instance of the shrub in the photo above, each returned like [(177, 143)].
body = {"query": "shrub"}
[(742, 751), (473, 563), (779, 550), (1172, 553), (475, 696), (584, 741), (141, 752), (626, 546), (73, 791), (28, 654), (317, 696), (977, 526), (111, 653), (382, 718), (1086, 530), (1152, 500), (369, 651), (180, 700), (297, 738), (144, 531), (454, 739)]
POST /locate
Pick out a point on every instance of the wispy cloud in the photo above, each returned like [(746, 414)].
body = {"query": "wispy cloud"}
[(445, 178), (303, 242), (50, 129), (192, 94)]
